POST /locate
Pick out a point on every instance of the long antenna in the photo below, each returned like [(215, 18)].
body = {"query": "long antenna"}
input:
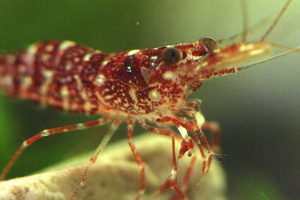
[(244, 5), (276, 20), (273, 57)]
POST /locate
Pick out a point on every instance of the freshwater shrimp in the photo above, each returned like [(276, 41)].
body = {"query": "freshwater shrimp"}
[(138, 85)]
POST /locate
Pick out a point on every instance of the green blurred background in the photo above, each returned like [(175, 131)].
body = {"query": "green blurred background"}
[(258, 109)]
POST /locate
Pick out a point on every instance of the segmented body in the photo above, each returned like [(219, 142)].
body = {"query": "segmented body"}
[(76, 78)]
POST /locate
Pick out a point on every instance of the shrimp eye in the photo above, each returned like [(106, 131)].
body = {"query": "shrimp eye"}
[(171, 55), (210, 43)]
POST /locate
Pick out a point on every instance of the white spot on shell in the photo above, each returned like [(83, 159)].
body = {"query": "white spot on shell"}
[(87, 57), (200, 65), (183, 132), (256, 52), (66, 44), (173, 173), (169, 75), (246, 47), (153, 57), (30, 58), (45, 57), (217, 51), (76, 60), (84, 96), (126, 105), (65, 97), (49, 47), (47, 74), (107, 97), (132, 52), (80, 126), (45, 133), (24, 144), (200, 118), (118, 100), (128, 69), (87, 106), (78, 81), (133, 95), (64, 91), (27, 81), (100, 79), (32, 49), (68, 67), (105, 62), (154, 95), (203, 64), (44, 88)]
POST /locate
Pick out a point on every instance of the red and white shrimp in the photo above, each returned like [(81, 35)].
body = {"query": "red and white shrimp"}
[(133, 86)]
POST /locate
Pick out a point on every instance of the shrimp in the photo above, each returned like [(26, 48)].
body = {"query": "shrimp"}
[(149, 86)]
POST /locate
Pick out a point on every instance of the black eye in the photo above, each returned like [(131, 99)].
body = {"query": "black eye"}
[(210, 43), (171, 55)]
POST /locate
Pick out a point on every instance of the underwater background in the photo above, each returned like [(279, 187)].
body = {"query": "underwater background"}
[(258, 109)]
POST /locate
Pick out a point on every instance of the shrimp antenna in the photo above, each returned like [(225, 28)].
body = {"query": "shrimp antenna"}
[(245, 19), (276, 21), (273, 57)]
